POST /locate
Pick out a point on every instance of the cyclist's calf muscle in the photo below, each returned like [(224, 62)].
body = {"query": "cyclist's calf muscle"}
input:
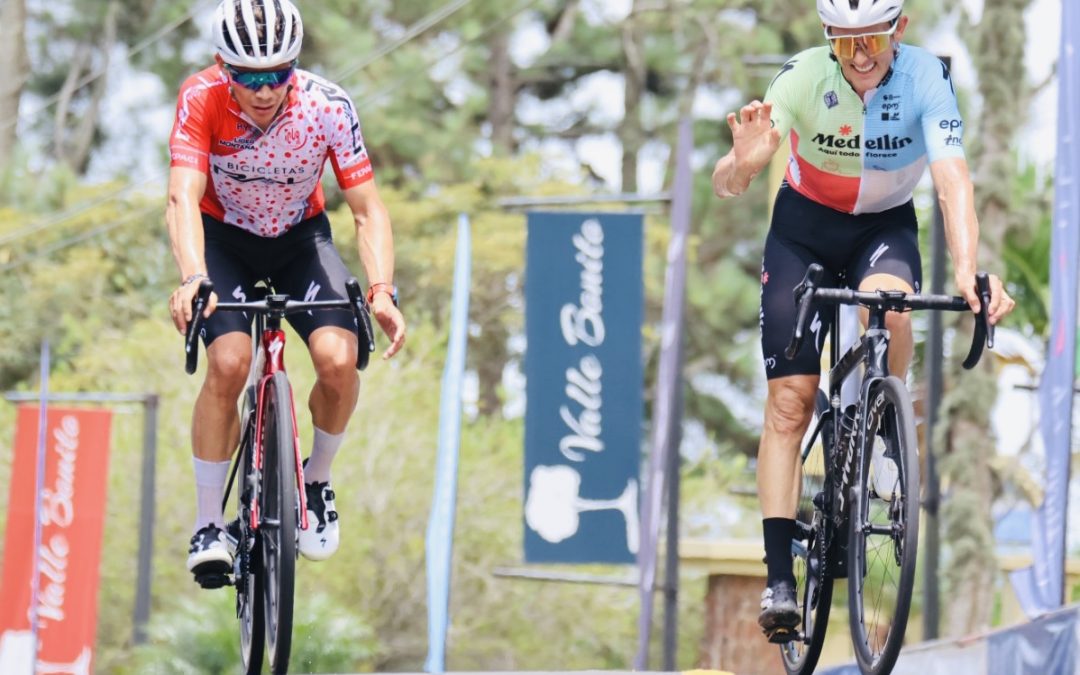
[(215, 420), (337, 387), (788, 411)]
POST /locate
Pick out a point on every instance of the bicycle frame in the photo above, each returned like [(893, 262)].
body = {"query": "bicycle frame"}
[(270, 339), (871, 350)]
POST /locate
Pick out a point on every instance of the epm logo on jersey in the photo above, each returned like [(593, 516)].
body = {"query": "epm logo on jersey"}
[(890, 108), (952, 126)]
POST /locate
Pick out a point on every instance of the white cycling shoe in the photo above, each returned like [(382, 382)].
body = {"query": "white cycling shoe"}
[(320, 540)]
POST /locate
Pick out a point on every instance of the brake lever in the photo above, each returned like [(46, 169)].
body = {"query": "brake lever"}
[(984, 332), (804, 297), (365, 332), (191, 338), (982, 285)]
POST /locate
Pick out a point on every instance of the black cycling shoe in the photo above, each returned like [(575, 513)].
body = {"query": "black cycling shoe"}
[(210, 558), (779, 617)]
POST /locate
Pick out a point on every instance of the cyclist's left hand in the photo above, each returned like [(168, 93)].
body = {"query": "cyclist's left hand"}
[(1001, 303), (390, 320)]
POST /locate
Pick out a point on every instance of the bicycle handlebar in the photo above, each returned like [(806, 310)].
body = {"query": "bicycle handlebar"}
[(282, 306), (897, 301)]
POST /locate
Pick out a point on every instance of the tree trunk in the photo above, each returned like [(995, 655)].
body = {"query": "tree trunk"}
[(969, 447), (14, 68), (72, 146), (631, 131), (501, 94), (563, 24), (997, 46)]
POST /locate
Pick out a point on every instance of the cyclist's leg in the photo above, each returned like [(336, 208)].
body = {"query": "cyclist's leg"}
[(215, 426), (888, 259), (792, 385), (317, 271)]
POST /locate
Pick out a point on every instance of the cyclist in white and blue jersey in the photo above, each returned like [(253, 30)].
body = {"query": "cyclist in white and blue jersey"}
[(866, 115)]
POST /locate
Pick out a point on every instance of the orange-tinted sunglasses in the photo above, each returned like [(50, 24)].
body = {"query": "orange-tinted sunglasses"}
[(872, 44)]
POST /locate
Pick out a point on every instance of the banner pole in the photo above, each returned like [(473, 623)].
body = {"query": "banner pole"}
[(666, 412), (39, 480), (146, 520), (439, 544)]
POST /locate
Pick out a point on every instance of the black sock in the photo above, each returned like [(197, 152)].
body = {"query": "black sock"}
[(778, 535)]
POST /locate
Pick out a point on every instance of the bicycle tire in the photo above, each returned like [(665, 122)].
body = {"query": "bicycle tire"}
[(278, 520), (813, 585), (885, 509), (248, 577)]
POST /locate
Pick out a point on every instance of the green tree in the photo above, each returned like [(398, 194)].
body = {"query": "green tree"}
[(13, 65)]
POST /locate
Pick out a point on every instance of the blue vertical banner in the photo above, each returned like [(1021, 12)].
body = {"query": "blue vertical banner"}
[(440, 532), (584, 300), (1044, 589)]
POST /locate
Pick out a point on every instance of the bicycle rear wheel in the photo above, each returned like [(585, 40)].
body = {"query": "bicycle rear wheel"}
[(884, 530), (813, 586), (278, 522)]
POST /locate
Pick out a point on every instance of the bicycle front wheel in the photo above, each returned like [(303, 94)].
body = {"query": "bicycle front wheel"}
[(813, 585), (249, 596), (884, 530), (278, 522)]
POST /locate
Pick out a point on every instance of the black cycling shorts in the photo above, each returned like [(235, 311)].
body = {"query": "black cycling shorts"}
[(302, 263), (849, 247)]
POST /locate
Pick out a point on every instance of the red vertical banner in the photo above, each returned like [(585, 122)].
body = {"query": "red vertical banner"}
[(72, 519)]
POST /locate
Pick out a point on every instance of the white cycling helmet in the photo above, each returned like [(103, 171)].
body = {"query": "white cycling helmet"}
[(258, 33), (858, 13)]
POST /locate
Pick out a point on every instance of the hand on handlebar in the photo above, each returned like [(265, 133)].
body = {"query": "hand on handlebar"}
[(390, 320), (181, 303), (1001, 303)]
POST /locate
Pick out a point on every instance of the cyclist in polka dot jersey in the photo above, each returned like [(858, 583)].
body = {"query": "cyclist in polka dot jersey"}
[(267, 181), (245, 204)]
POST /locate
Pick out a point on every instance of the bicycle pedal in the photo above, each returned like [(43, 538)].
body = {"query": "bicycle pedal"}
[(782, 635), (212, 580)]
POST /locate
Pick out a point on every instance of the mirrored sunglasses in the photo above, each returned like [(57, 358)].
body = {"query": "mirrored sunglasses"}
[(257, 79), (872, 44)]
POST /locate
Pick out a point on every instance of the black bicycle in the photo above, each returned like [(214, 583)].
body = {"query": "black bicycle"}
[(858, 513), (270, 502)]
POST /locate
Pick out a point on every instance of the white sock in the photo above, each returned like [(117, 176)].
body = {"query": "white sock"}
[(323, 448), (210, 480)]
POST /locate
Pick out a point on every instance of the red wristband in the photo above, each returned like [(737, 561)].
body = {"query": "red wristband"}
[(382, 287)]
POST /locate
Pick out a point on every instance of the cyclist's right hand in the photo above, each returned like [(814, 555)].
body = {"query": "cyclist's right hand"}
[(181, 305), (754, 140)]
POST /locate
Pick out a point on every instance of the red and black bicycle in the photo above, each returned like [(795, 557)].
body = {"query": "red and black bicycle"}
[(270, 502)]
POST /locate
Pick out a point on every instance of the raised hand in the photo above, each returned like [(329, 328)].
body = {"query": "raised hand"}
[(754, 142)]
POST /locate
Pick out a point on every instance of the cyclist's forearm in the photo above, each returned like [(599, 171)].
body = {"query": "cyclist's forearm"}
[(961, 226), (729, 179), (186, 237), (374, 238), (182, 215), (375, 241)]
